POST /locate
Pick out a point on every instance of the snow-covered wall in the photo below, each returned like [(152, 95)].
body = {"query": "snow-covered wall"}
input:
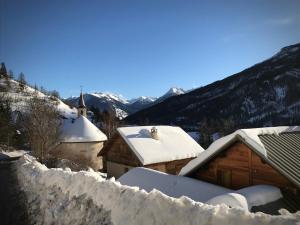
[(57, 196)]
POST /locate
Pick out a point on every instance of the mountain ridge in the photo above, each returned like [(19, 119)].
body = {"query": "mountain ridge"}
[(262, 95), (123, 107)]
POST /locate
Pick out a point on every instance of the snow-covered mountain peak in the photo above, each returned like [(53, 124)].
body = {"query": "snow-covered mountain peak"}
[(175, 91), (110, 96), (142, 99)]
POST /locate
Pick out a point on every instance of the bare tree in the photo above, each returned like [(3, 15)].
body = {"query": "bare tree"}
[(110, 122), (41, 124)]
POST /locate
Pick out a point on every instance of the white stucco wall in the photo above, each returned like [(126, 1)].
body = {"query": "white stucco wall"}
[(82, 153)]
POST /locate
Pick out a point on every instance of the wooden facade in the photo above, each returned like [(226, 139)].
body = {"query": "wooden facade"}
[(118, 153), (239, 166)]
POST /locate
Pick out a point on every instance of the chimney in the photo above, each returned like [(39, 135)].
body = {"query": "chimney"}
[(154, 133)]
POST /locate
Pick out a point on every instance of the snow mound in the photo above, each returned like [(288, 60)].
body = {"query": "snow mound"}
[(171, 185), (230, 199), (56, 196), (200, 191), (260, 194)]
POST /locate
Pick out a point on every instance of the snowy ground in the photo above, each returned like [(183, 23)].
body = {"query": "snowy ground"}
[(57, 196)]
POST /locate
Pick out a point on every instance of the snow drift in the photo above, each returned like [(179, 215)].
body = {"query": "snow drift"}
[(200, 191), (57, 196)]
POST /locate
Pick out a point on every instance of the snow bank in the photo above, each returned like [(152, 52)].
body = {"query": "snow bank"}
[(260, 194), (200, 191), (171, 185), (57, 196), (230, 199)]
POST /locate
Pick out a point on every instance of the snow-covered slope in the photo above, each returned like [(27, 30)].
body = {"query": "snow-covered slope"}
[(19, 97)]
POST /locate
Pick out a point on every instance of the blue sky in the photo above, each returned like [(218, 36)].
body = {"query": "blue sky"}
[(141, 47)]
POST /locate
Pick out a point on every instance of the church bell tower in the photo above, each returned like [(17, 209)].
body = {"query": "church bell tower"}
[(81, 106)]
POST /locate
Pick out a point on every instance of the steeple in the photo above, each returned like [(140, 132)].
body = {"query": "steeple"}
[(81, 106)]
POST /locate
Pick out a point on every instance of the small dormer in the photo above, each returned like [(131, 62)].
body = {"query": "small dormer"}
[(81, 106)]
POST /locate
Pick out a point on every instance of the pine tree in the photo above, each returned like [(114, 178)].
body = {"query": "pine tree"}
[(205, 131), (10, 74), (7, 82), (55, 94), (43, 90), (36, 88), (7, 78), (22, 81), (3, 71)]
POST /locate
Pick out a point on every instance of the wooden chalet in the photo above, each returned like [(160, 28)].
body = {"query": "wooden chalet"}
[(162, 148), (251, 156)]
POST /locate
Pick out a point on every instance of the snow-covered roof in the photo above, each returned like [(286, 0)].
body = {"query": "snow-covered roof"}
[(172, 185), (81, 130), (248, 136), (173, 144)]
